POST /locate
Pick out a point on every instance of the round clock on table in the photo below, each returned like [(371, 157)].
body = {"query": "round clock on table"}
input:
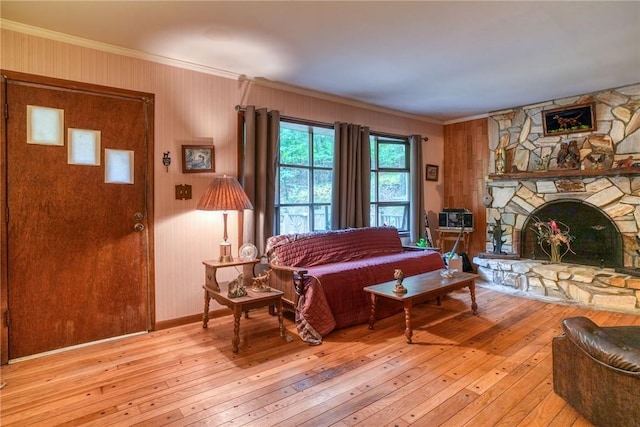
[(247, 252)]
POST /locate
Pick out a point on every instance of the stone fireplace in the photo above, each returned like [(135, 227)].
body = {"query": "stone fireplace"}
[(613, 201), (598, 200)]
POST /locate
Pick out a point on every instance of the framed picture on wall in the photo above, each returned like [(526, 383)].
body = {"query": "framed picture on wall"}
[(198, 158), (577, 118), (431, 173)]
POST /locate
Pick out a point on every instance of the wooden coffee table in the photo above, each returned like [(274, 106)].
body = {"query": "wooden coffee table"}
[(420, 288)]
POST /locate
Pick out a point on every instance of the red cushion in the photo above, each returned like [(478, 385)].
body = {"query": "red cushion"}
[(326, 247)]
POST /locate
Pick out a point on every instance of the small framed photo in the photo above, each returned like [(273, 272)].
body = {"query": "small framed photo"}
[(431, 173), (198, 158), (577, 118)]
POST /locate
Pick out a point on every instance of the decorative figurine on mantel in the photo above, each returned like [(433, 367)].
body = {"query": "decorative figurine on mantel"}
[(501, 161), (569, 155), (596, 160), (542, 164), (399, 276), (236, 287), (625, 163)]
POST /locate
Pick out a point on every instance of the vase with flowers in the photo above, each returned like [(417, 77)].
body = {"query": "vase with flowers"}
[(554, 238)]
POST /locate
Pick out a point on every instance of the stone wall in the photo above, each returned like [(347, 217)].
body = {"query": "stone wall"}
[(519, 132)]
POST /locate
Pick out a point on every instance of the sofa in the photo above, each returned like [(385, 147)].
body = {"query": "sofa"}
[(597, 371), (322, 275)]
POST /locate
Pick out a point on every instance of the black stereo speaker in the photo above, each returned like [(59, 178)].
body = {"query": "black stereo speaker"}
[(454, 219)]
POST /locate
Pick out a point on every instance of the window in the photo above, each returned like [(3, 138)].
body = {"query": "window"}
[(390, 182), (305, 176)]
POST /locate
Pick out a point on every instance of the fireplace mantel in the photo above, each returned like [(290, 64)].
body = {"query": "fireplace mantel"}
[(566, 173)]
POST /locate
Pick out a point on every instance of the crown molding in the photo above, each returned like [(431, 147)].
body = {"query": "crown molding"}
[(465, 119), (109, 48), (338, 99), (105, 47)]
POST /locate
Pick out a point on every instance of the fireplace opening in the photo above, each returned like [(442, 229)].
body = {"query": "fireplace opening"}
[(597, 242)]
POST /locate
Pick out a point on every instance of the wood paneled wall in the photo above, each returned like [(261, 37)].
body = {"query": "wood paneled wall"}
[(465, 167), (191, 105)]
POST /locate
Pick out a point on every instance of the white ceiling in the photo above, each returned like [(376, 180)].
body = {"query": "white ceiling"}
[(440, 60)]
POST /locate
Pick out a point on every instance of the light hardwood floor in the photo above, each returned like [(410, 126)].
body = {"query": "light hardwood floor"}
[(490, 369)]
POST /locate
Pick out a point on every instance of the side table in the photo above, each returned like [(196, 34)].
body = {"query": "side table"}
[(452, 236), (218, 291), (211, 269)]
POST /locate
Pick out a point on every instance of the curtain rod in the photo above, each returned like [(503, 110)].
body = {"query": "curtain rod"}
[(294, 119), (322, 124)]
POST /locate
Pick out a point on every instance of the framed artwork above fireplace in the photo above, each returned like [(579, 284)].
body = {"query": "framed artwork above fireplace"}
[(561, 121)]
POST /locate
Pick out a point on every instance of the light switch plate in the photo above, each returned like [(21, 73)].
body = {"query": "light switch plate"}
[(183, 192)]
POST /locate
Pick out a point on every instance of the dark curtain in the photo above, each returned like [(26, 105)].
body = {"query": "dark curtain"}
[(351, 177), (416, 209), (259, 164)]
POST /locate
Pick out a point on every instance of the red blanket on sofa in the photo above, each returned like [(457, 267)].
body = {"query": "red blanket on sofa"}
[(340, 264)]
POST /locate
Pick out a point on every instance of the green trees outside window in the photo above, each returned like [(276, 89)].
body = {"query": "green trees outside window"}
[(305, 176), (390, 182)]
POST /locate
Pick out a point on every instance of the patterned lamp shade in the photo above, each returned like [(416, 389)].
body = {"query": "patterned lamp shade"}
[(224, 194)]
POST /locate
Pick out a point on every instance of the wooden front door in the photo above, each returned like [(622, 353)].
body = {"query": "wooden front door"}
[(78, 236)]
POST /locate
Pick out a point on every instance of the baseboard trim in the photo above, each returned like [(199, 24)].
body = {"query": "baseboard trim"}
[(193, 318), (73, 347)]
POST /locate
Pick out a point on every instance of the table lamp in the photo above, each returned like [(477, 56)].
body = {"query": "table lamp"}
[(224, 194)]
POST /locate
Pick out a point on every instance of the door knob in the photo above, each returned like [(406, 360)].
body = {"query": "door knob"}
[(138, 227)]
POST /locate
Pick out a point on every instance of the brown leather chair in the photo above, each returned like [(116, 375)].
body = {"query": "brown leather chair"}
[(597, 371)]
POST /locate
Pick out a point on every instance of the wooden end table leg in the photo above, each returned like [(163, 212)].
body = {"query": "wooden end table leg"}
[(472, 290), (280, 322), (372, 316), (205, 316), (235, 341), (407, 320)]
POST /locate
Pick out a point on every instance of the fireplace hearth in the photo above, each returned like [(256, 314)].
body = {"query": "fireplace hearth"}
[(630, 271), (586, 286)]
